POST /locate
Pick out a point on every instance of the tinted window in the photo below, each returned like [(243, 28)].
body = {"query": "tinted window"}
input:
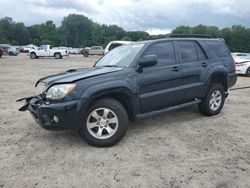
[(200, 52), (187, 51), (164, 52), (218, 48)]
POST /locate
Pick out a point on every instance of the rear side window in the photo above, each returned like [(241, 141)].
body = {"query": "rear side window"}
[(164, 51), (200, 52), (218, 48), (187, 51)]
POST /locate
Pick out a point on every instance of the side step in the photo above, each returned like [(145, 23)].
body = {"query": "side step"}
[(172, 108)]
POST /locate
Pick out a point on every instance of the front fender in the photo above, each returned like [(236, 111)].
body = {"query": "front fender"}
[(106, 89)]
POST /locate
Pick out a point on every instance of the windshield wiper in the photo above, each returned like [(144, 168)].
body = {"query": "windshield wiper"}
[(109, 66)]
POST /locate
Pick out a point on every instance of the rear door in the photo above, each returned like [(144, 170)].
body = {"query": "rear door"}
[(160, 85), (195, 65)]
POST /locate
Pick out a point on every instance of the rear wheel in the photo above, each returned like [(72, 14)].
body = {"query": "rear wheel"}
[(213, 101), (33, 56), (57, 55), (248, 72), (105, 123)]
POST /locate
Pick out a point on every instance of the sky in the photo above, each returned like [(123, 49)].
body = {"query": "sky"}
[(153, 16)]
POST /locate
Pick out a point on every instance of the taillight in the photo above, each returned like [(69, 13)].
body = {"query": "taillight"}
[(234, 64)]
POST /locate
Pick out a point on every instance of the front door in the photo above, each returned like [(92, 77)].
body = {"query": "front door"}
[(159, 86), (42, 51)]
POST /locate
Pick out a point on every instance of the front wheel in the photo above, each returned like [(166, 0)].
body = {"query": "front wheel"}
[(213, 101), (105, 123), (33, 56)]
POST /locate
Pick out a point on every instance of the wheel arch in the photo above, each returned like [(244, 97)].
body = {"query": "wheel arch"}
[(123, 95), (57, 53), (219, 77)]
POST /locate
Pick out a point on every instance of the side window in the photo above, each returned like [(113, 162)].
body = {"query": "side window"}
[(187, 51), (164, 51), (218, 48), (200, 52)]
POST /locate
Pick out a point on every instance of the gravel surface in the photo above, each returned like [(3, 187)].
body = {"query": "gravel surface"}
[(177, 149)]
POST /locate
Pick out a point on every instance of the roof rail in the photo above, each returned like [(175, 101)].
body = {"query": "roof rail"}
[(189, 36)]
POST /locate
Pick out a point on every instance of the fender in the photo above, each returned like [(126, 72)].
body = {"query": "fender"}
[(212, 73), (119, 87)]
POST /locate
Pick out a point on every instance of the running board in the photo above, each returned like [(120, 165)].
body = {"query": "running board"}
[(173, 108)]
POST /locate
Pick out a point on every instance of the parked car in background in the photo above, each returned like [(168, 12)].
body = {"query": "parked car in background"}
[(1, 52), (242, 61), (75, 50), (113, 44), (94, 50), (47, 51), (12, 51), (29, 47)]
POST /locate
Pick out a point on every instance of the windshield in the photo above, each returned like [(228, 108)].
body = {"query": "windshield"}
[(120, 57)]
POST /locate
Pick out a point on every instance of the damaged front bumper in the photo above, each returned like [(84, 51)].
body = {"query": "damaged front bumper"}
[(61, 115)]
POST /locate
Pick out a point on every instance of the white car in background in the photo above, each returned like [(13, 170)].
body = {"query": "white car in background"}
[(114, 44), (242, 61)]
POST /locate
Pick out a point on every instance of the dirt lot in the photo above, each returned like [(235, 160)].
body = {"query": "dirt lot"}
[(178, 149)]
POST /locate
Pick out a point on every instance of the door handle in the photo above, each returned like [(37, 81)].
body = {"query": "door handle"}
[(175, 69), (204, 64)]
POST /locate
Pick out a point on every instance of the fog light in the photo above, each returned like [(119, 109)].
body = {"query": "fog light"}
[(56, 119)]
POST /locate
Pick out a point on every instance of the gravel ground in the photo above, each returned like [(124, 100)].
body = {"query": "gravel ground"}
[(177, 149)]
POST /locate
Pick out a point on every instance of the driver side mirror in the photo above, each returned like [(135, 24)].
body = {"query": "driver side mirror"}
[(147, 61)]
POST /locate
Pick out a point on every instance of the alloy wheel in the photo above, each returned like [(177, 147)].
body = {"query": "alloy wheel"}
[(102, 123)]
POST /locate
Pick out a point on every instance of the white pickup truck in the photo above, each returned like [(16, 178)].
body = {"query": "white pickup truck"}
[(47, 51)]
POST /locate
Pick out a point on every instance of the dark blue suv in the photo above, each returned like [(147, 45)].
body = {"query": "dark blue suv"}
[(132, 81)]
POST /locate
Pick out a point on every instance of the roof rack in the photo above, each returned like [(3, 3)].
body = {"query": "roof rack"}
[(189, 36)]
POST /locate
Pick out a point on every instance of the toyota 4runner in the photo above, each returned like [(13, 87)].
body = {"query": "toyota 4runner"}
[(132, 81)]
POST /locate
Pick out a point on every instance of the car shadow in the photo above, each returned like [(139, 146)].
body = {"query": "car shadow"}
[(165, 119)]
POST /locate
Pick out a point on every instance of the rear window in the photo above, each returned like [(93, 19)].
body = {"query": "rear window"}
[(218, 48)]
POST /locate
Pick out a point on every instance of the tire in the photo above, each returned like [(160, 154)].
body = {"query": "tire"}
[(213, 101), (85, 54), (248, 72), (58, 56), (33, 56), (1, 54), (115, 120), (11, 53)]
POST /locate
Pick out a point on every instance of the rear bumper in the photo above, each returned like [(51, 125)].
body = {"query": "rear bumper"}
[(63, 115), (232, 78)]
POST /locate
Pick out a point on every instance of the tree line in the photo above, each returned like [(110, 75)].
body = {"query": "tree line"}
[(79, 31)]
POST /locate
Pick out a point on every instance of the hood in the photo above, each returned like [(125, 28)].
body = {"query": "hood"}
[(73, 75)]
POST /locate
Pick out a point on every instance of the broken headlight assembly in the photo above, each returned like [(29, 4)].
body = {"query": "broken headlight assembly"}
[(59, 91)]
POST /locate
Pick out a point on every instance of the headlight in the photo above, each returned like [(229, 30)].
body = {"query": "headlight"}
[(59, 91)]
